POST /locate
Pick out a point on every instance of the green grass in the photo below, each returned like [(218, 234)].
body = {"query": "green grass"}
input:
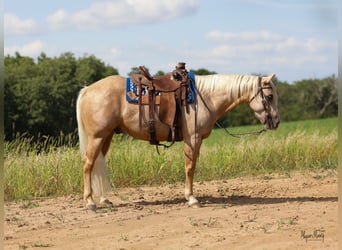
[(303, 146)]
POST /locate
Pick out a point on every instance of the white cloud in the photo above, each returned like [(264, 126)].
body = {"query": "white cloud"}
[(32, 49), (264, 45), (242, 37), (327, 4), (15, 26), (109, 14), (58, 20), (115, 52), (265, 52)]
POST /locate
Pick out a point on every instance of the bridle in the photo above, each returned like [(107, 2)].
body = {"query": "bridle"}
[(266, 102)]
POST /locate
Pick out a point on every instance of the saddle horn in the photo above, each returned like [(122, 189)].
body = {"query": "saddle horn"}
[(176, 75)]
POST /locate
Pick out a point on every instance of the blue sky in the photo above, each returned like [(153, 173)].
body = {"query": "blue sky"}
[(296, 39)]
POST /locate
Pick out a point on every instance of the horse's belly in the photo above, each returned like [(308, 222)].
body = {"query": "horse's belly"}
[(142, 133)]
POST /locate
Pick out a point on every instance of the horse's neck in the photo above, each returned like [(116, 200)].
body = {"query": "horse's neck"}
[(222, 93)]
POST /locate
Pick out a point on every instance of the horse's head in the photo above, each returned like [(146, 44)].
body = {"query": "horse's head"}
[(264, 103)]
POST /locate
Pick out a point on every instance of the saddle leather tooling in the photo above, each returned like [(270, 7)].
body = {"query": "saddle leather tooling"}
[(170, 93)]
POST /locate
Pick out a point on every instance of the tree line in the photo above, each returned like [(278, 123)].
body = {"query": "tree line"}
[(40, 94)]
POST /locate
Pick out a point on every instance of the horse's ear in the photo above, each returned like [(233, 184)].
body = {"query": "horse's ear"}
[(268, 79), (272, 76)]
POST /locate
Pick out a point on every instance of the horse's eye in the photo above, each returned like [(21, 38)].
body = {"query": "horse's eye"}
[(269, 98)]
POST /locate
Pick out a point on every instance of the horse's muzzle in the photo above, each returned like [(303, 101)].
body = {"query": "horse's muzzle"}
[(270, 124)]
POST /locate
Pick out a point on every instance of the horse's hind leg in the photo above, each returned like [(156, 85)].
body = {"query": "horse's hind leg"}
[(105, 147), (92, 151)]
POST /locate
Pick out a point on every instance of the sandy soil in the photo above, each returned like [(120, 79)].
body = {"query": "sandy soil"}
[(265, 212)]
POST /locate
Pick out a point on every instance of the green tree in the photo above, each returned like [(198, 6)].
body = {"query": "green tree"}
[(316, 98), (202, 71), (40, 96), (327, 97), (53, 95), (135, 70), (159, 73), (90, 69), (18, 72)]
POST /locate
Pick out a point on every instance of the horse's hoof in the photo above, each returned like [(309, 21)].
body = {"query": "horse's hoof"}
[(106, 202), (193, 202), (196, 205), (91, 207)]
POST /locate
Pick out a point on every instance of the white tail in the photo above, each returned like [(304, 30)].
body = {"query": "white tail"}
[(100, 182), (82, 136)]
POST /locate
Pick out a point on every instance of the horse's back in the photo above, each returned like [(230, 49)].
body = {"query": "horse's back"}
[(105, 89), (113, 83)]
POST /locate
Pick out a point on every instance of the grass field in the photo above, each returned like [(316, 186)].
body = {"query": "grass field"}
[(303, 145)]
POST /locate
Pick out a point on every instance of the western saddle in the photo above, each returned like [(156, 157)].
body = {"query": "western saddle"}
[(170, 93)]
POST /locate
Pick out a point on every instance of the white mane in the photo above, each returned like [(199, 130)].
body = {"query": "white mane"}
[(235, 86)]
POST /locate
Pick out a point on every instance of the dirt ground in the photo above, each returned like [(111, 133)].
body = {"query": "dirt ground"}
[(265, 212)]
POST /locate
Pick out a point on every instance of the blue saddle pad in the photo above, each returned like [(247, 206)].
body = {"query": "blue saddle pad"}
[(133, 97)]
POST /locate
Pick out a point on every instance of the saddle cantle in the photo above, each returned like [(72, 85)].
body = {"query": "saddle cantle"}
[(170, 93)]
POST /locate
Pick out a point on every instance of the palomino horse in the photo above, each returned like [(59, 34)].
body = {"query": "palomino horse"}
[(102, 110)]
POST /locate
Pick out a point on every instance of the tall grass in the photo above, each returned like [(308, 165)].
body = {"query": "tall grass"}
[(57, 170), (269, 153)]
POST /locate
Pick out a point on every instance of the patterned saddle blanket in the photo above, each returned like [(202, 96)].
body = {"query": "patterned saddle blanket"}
[(132, 92)]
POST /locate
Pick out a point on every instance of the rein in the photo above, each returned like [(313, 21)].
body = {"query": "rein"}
[(240, 135), (265, 103)]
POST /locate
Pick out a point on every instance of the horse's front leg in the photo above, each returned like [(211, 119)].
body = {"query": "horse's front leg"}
[(191, 154)]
